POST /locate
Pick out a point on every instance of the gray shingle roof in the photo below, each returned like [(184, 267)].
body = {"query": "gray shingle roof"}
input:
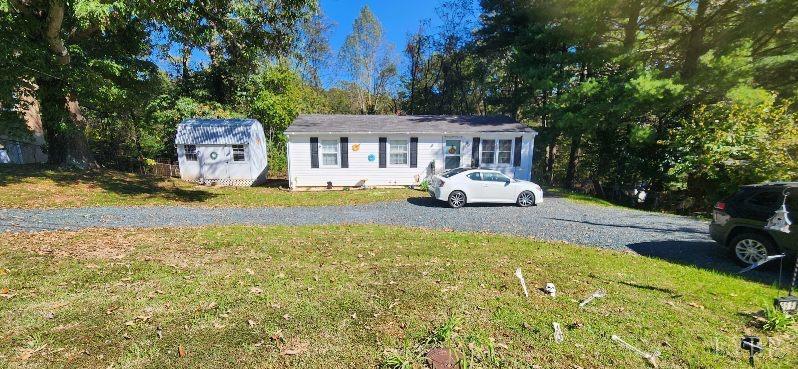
[(214, 131), (317, 123)]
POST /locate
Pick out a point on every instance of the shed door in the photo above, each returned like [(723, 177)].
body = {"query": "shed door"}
[(215, 162)]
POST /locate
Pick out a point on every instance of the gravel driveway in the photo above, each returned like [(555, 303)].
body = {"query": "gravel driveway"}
[(676, 238)]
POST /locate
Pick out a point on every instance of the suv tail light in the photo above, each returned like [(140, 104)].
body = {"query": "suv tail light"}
[(441, 183), (720, 205)]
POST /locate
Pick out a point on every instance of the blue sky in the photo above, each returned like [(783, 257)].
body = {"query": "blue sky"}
[(398, 18)]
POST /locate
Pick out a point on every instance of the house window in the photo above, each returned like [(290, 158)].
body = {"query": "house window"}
[(238, 153), (496, 152), (329, 153), (191, 152), (488, 155), (504, 155), (398, 150)]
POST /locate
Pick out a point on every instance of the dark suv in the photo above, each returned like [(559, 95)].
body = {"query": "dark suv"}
[(738, 221)]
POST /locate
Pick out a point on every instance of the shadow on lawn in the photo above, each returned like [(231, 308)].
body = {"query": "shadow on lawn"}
[(429, 202), (656, 229), (112, 181), (706, 255)]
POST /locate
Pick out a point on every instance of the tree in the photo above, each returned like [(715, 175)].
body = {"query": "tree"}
[(368, 60), (54, 30), (236, 35), (314, 48)]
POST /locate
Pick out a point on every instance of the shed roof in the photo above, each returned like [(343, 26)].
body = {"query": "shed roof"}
[(319, 123), (215, 131)]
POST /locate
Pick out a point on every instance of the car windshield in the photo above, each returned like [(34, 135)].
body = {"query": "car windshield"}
[(453, 172)]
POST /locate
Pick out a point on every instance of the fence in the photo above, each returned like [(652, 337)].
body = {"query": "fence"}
[(162, 169)]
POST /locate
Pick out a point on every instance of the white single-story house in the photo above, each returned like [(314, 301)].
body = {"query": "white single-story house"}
[(222, 151), (395, 150)]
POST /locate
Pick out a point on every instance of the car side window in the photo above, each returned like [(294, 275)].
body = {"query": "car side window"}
[(474, 176), (502, 178), (488, 176), (766, 199)]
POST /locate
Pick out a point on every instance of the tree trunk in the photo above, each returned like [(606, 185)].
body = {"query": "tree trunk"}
[(631, 26), (184, 61), (573, 159), (66, 143), (695, 41), (52, 32), (551, 156), (30, 110)]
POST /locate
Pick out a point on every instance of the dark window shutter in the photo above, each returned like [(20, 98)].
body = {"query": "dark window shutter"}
[(475, 153), (517, 156), (414, 152), (383, 149), (344, 152), (314, 152)]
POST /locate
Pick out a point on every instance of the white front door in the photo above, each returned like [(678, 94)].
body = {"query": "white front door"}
[(215, 162), (452, 153)]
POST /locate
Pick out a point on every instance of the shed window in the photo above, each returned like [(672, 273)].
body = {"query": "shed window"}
[(504, 156), (191, 152), (398, 150), (238, 153), (329, 153), (488, 155)]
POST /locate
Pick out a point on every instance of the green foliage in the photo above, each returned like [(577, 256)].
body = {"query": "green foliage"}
[(424, 185), (777, 321), (400, 359), (275, 97), (727, 144), (445, 332)]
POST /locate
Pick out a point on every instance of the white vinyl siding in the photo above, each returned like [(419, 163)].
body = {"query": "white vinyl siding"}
[(398, 152), (329, 153)]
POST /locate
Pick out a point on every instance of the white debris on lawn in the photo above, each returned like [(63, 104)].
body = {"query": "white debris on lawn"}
[(558, 335), (551, 289), (596, 295), (523, 282), (650, 357)]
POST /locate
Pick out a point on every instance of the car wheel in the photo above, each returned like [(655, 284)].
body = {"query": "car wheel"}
[(457, 199), (526, 198), (751, 248)]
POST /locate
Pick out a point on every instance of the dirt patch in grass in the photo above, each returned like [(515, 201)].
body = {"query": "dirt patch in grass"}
[(359, 296)]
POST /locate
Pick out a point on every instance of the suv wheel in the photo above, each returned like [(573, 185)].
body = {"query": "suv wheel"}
[(457, 199), (751, 248)]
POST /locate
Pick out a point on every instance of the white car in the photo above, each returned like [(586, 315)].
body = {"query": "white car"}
[(467, 185)]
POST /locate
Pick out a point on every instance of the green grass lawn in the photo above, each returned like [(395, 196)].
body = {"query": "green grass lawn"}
[(359, 296), (579, 197), (33, 186)]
